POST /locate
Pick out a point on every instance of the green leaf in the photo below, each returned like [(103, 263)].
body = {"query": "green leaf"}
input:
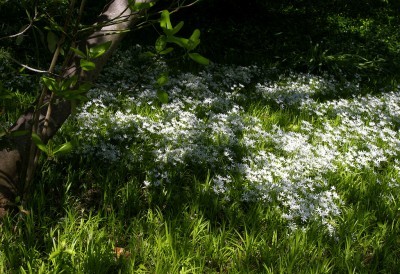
[(63, 149), (39, 143), (22, 270), (139, 6), (192, 45), (195, 35), (149, 54), (165, 21), (69, 83), (54, 254), (50, 83), (182, 42), (167, 32), (166, 51), (162, 80), (194, 40), (74, 95), (70, 251), (161, 43), (162, 96), (199, 58), (52, 40), (99, 50), (79, 53), (87, 65), (177, 28)]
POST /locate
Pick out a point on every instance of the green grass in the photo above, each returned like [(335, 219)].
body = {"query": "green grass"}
[(196, 237)]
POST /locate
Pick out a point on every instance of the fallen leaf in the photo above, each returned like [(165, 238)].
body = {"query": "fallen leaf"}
[(121, 252)]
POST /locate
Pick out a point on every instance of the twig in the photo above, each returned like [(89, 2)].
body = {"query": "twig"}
[(23, 31), (30, 68), (184, 6)]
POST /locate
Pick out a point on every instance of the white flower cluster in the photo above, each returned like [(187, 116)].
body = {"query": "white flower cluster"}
[(205, 127), (295, 89), (366, 128)]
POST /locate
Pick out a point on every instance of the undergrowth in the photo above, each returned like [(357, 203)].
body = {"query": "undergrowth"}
[(237, 173), (287, 166)]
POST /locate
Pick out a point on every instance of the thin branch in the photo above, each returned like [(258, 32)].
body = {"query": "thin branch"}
[(30, 68), (23, 31), (19, 33), (120, 15), (184, 6), (106, 23), (109, 32)]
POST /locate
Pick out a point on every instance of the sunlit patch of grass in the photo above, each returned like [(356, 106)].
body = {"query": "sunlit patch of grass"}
[(203, 234)]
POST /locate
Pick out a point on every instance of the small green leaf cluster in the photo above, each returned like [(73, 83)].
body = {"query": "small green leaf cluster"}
[(65, 88), (169, 36), (162, 48), (86, 61), (49, 150)]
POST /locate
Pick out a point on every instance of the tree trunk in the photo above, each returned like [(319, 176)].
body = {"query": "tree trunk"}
[(12, 160)]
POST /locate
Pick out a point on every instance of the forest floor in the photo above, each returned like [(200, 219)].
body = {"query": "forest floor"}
[(289, 165)]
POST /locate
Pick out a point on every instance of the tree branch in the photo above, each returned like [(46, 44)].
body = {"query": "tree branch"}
[(24, 30), (30, 68)]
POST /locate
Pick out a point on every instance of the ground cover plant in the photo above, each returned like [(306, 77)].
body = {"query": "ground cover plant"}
[(243, 170), (286, 165)]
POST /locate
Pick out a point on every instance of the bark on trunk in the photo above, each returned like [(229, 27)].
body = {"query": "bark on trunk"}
[(11, 160)]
